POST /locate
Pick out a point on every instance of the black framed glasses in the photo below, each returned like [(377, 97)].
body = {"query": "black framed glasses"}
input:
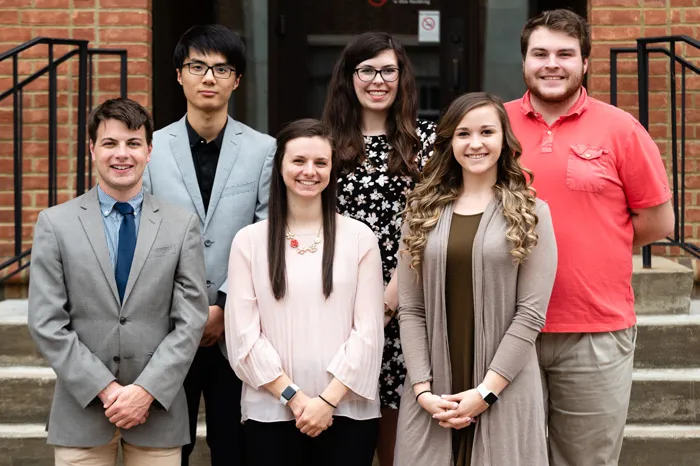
[(368, 74), (200, 69)]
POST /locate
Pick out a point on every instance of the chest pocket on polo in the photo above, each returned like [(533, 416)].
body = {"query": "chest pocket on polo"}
[(587, 168)]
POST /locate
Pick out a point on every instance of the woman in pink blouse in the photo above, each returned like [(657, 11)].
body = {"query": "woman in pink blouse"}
[(304, 316)]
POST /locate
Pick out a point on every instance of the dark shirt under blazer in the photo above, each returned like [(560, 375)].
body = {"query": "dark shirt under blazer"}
[(239, 193)]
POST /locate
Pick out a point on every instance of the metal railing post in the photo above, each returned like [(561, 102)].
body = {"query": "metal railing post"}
[(82, 117), (53, 121), (643, 90)]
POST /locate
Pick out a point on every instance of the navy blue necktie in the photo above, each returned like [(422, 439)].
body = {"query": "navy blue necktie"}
[(127, 244)]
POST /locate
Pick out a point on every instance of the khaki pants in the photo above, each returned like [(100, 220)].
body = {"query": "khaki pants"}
[(106, 455), (587, 379)]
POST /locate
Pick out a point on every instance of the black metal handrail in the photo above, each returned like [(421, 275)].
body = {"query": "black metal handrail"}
[(85, 101), (642, 52)]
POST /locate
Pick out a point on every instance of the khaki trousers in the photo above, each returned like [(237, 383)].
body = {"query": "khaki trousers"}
[(106, 455), (587, 379)]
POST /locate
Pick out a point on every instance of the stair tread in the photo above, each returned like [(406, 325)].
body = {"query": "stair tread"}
[(671, 319), (671, 375), (691, 374), (631, 430), (39, 430), (662, 431)]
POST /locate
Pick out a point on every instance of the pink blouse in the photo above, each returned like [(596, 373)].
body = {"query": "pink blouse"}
[(310, 338)]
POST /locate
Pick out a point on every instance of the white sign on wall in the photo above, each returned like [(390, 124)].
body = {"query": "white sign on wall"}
[(428, 26)]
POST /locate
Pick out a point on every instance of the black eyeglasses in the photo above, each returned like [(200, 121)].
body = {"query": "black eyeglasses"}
[(368, 74), (219, 71)]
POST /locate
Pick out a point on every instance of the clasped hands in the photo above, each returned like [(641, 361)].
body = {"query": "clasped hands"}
[(313, 415), (126, 406), (454, 411)]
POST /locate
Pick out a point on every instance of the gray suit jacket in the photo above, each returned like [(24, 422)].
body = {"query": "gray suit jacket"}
[(238, 198), (91, 340)]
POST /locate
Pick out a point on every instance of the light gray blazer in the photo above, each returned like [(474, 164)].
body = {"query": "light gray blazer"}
[(90, 339), (510, 302), (238, 198)]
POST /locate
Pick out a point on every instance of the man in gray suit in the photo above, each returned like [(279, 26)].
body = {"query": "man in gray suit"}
[(220, 169), (117, 305)]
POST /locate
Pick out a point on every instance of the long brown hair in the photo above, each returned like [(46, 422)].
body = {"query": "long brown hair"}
[(442, 183), (277, 209), (343, 112)]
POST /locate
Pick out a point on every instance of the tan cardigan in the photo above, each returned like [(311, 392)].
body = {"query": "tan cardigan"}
[(509, 311)]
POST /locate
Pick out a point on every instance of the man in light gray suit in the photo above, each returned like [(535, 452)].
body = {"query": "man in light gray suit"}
[(220, 169), (117, 305)]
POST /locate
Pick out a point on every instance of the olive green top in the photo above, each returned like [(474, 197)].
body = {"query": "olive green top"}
[(459, 301)]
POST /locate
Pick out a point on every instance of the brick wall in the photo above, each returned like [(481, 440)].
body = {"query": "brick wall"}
[(616, 23), (124, 24)]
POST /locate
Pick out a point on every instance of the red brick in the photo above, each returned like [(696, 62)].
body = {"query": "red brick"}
[(115, 34), (145, 4), (598, 3), (134, 67), (15, 3), (125, 18), (615, 32), (616, 17), (45, 17), (15, 34), (691, 15), (655, 31), (84, 33), (654, 3), (658, 131), (682, 29), (655, 17), (53, 32), (675, 3), (83, 3), (135, 50), (9, 17), (81, 18), (139, 84), (64, 4)]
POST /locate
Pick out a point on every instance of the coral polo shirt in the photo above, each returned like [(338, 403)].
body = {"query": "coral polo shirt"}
[(591, 166)]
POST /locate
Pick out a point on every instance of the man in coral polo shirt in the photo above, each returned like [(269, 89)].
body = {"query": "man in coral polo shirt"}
[(605, 183)]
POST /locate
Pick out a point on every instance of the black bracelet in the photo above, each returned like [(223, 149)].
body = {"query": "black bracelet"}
[(424, 391), (328, 402)]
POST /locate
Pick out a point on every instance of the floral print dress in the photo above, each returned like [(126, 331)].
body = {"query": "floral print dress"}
[(371, 195)]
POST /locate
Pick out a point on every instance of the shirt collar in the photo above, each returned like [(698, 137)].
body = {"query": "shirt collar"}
[(577, 109), (195, 138), (107, 202)]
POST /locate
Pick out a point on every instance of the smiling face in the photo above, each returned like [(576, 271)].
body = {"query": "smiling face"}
[(306, 167), (478, 141), (120, 156), (553, 67), (206, 93), (377, 95)]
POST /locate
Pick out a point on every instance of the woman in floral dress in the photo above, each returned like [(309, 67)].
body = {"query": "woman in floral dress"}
[(371, 108)]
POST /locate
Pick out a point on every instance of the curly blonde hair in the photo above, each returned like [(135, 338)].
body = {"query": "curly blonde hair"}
[(442, 184)]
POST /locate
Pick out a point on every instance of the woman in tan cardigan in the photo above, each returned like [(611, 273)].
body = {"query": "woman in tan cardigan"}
[(475, 274)]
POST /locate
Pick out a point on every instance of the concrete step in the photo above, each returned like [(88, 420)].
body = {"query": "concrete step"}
[(647, 445), (663, 289), (654, 445), (16, 345), (26, 391), (669, 396), (664, 341), (25, 445), (668, 341)]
